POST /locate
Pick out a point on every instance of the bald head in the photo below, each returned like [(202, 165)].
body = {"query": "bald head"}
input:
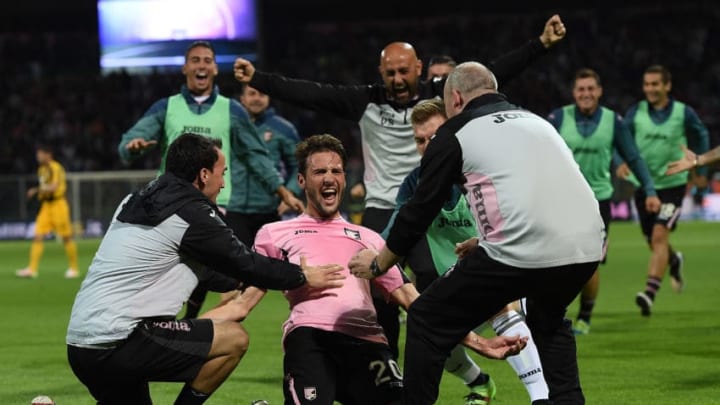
[(469, 80), (400, 69), (397, 50)]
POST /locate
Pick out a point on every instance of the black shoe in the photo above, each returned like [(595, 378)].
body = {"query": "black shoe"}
[(644, 302), (676, 274)]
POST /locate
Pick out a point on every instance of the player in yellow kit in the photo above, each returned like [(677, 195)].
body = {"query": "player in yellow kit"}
[(54, 214)]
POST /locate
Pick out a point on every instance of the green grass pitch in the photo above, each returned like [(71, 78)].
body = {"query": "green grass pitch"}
[(671, 358)]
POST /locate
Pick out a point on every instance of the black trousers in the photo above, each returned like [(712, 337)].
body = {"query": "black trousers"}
[(478, 288), (422, 265), (387, 313)]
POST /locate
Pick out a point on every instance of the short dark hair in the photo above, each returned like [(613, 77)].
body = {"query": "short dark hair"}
[(315, 144), (199, 44), (442, 60), (664, 72), (587, 73), (190, 153)]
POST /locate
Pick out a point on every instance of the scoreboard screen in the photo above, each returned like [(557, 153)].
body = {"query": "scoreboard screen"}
[(139, 35)]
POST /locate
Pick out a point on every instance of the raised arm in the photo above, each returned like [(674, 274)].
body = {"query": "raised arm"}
[(510, 65), (348, 102)]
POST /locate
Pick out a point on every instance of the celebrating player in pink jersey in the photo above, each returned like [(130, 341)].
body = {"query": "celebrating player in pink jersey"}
[(334, 347)]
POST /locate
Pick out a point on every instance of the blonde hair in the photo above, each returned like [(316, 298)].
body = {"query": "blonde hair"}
[(427, 109)]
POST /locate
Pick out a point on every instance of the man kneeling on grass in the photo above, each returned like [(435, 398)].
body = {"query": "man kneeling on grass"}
[(123, 332), (335, 349)]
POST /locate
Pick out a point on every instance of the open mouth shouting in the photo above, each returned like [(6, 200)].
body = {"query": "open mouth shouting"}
[(202, 79), (401, 92), (329, 195)]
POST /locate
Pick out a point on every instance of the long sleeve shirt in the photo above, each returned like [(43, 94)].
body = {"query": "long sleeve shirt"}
[(531, 204), (246, 147), (622, 141), (386, 132)]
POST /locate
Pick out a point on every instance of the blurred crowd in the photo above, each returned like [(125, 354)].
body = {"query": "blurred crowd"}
[(54, 93)]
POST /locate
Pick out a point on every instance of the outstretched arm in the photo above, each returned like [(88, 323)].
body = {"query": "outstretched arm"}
[(347, 102), (691, 160), (498, 347), (145, 134), (711, 156), (237, 308), (209, 241), (698, 140)]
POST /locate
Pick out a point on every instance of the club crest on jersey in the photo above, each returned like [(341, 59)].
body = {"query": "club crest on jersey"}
[(268, 136), (310, 393), (352, 233), (387, 118)]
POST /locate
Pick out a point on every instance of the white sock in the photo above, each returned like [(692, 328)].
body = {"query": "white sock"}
[(461, 365), (527, 363)]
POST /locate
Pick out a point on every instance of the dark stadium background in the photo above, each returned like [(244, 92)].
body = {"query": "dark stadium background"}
[(50, 75)]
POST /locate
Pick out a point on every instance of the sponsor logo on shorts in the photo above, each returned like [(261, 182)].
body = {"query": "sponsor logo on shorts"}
[(172, 325), (310, 393)]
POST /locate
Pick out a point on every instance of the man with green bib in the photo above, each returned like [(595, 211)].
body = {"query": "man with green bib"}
[(453, 233), (200, 109), (592, 132), (661, 125)]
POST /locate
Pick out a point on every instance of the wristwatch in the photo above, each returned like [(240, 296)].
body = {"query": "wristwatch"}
[(375, 269)]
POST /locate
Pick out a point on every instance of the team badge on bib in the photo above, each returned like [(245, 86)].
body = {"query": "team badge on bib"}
[(310, 393), (268, 136)]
